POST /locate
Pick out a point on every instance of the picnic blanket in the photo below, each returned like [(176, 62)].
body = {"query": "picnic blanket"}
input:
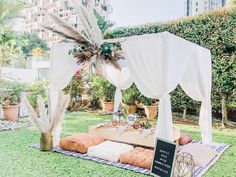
[(197, 172)]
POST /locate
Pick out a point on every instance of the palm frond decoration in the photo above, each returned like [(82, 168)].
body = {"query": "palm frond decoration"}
[(67, 30), (89, 22), (88, 38)]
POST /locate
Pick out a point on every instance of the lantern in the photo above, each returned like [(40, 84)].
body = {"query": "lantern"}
[(184, 165)]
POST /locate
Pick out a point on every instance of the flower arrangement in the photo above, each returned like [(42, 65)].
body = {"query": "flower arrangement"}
[(88, 38), (106, 52)]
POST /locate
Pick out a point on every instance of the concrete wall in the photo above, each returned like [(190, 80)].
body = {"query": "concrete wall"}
[(20, 75)]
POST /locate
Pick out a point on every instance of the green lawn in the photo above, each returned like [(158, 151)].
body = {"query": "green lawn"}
[(19, 160)]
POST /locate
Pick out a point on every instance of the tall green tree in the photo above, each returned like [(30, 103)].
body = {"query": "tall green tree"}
[(10, 48), (32, 42)]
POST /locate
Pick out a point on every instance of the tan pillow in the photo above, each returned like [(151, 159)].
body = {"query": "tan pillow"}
[(185, 139), (80, 142), (139, 157), (202, 154)]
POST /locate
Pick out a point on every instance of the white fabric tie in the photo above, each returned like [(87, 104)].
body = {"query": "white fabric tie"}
[(205, 126), (164, 127), (117, 101)]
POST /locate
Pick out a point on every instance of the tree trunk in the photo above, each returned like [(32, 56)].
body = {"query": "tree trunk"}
[(184, 113), (224, 111), (2, 64)]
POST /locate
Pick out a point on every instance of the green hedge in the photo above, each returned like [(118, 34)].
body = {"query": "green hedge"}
[(215, 30)]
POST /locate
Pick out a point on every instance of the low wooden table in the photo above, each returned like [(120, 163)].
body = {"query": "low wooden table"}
[(130, 135)]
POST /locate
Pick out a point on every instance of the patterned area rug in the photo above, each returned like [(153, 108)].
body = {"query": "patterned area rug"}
[(198, 171)]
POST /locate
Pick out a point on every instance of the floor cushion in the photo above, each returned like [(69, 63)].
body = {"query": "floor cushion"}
[(202, 154), (80, 142), (185, 139), (139, 157), (109, 150)]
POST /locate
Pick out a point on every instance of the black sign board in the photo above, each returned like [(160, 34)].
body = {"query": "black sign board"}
[(164, 158)]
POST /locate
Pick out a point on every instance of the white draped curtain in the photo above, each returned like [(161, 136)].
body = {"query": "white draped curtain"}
[(121, 79), (158, 63), (62, 68), (196, 82)]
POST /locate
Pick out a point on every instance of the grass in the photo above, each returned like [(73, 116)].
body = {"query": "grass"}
[(19, 160)]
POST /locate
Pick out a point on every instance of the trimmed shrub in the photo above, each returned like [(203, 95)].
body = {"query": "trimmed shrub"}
[(215, 30)]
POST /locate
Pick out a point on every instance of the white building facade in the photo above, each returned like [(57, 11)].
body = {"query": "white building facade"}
[(36, 15), (195, 7)]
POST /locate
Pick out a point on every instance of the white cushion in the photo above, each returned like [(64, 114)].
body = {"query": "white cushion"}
[(202, 154), (109, 150)]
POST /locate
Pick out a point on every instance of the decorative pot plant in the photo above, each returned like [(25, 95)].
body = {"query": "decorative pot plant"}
[(150, 107), (10, 108), (130, 98), (101, 89), (10, 96), (35, 89)]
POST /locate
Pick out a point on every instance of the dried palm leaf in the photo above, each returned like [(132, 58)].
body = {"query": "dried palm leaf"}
[(41, 123), (89, 24), (115, 64), (68, 30), (62, 105)]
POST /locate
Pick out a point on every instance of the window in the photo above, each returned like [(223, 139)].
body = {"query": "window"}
[(196, 3), (187, 13), (196, 9), (104, 7), (84, 2)]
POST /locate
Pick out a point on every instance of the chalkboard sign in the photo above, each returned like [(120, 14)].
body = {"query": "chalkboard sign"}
[(164, 158)]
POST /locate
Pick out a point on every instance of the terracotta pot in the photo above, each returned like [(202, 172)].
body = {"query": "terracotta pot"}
[(107, 107), (132, 109), (11, 112), (85, 99), (46, 143), (85, 102), (36, 109), (151, 111)]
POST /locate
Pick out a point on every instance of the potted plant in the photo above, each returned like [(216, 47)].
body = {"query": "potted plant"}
[(10, 99), (10, 108), (101, 89), (35, 89), (129, 98), (150, 107)]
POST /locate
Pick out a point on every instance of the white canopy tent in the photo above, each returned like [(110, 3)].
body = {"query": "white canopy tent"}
[(156, 63)]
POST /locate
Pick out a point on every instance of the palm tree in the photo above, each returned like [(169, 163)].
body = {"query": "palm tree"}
[(10, 9)]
